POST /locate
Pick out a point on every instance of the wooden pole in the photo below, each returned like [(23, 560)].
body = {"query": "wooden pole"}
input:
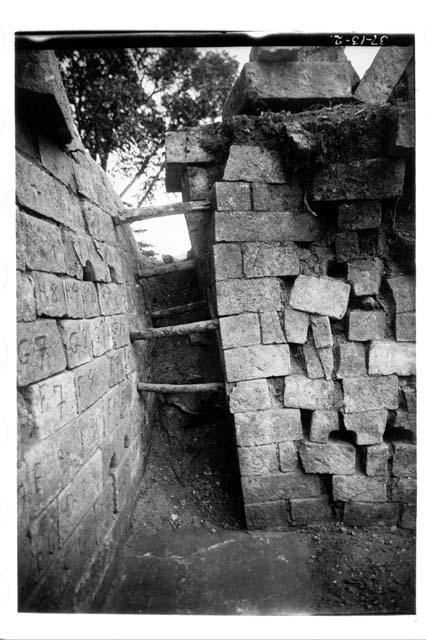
[(171, 267), (158, 211), (182, 308), (175, 330), (204, 387)]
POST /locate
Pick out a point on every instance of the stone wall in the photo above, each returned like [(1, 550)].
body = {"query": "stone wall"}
[(83, 432), (311, 250)]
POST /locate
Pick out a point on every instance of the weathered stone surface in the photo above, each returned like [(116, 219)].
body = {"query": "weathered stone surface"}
[(88, 256), (261, 259), (333, 457), (383, 74), (408, 517), (288, 456), (321, 331), (347, 246), (43, 243), (296, 325), (294, 484), (405, 326), (406, 420), (183, 148), (55, 160), (370, 393), (257, 361), (365, 276), (307, 511), (404, 292), (120, 332), (323, 423), (195, 183), (73, 298), (304, 393), (327, 361), (91, 381), (110, 299), (368, 426), (228, 261), (404, 460), (410, 398), (267, 226), (20, 240), (91, 428), (291, 54), (73, 266), (76, 340), (99, 330), (312, 361), (262, 460), (25, 300), (323, 296), (293, 85), (267, 515), (388, 357), (277, 197), (51, 404), (366, 325), (403, 138), (351, 360), (113, 259), (271, 330), (232, 196), (360, 215), (253, 164), (44, 535), (404, 490), (359, 488), (364, 514), (376, 460), (40, 351), (263, 427), (370, 179), (49, 294), (238, 296), (249, 396), (239, 331), (90, 299), (116, 366), (99, 224)]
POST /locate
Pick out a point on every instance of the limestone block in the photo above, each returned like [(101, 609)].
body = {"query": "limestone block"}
[(91, 381), (296, 325), (288, 456), (238, 296), (263, 427), (228, 261), (323, 296), (249, 396), (73, 298), (321, 331), (91, 428), (40, 351), (371, 179), (277, 197), (90, 299), (404, 490), (383, 74), (51, 404), (267, 515), (305, 393), (405, 326), (261, 460), (239, 331), (366, 325), (257, 361), (113, 259), (403, 138), (351, 360), (370, 393), (327, 361), (50, 295), (25, 300), (116, 366), (364, 514), (254, 164), (404, 292), (365, 276), (359, 488), (294, 484), (388, 357), (376, 460), (368, 426), (120, 332), (99, 330), (347, 246), (75, 336), (73, 266), (307, 511), (43, 242), (99, 224), (261, 259), (333, 457), (110, 298), (232, 196), (360, 215), (323, 423), (267, 226), (404, 460), (313, 363), (271, 330)]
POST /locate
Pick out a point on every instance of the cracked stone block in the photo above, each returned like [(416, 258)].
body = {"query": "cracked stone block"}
[(40, 353), (277, 197), (232, 196), (359, 488), (304, 393), (404, 460), (365, 276), (360, 215), (257, 361), (267, 515), (376, 460), (238, 296), (248, 396), (267, 226), (383, 74), (239, 331), (323, 296), (323, 423), (99, 223), (405, 326), (387, 357), (253, 164), (271, 330), (261, 259), (333, 457), (312, 361), (370, 393), (76, 340), (25, 300), (368, 426), (321, 331), (296, 325), (364, 514), (260, 460), (404, 490), (288, 456), (347, 246), (294, 484), (307, 511), (366, 325), (228, 261), (327, 361), (404, 292), (351, 360), (263, 427)]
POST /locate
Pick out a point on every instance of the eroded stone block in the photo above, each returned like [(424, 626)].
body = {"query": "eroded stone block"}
[(294, 484), (257, 361), (404, 292), (376, 460), (305, 393), (365, 276), (387, 357), (99, 224), (296, 325), (238, 296), (313, 363), (261, 259), (73, 298), (405, 326), (368, 426), (383, 74), (90, 299), (91, 381), (288, 456), (370, 393), (347, 246), (43, 243), (333, 457), (228, 261), (100, 335), (260, 460), (323, 423), (404, 490), (307, 511), (364, 514), (232, 196), (253, 164), (351, 360), (404, 460), (49, 294), (360, 215), (239, 331), (359, 488), (249, 396), (267, 515), (40, 351), (76, 340), (271, 330), (263, 427), (366, 325), (323, 296), (267, 226), (277, 197), (110, 299), (25, 300), (321, 331)]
